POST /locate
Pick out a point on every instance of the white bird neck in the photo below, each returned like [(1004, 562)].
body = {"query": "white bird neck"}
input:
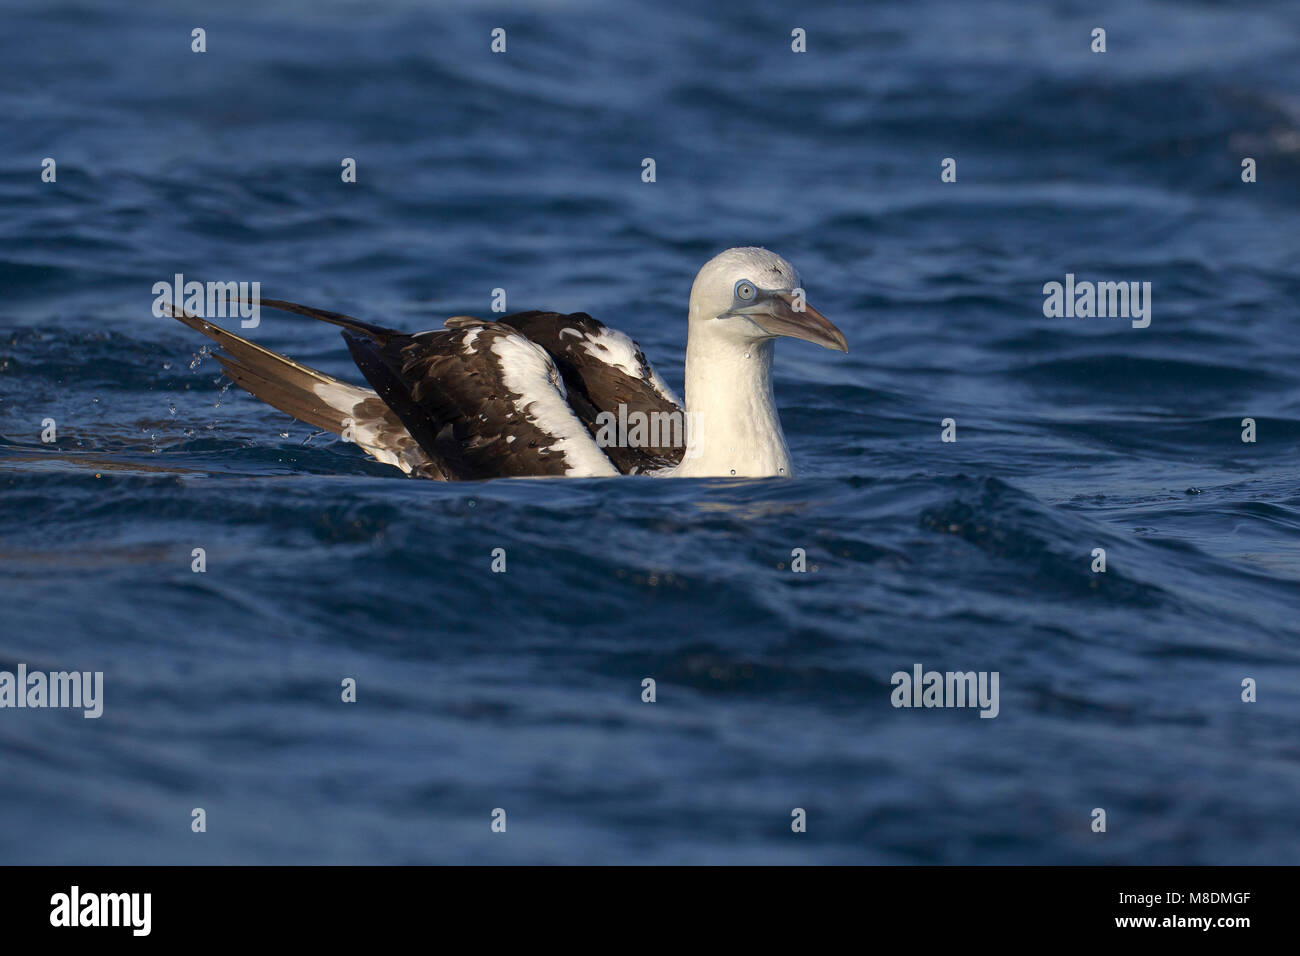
[(734, 426)]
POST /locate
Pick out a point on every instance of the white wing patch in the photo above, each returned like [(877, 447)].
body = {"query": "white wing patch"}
[(615, 348), (347, 400), (528, 371)]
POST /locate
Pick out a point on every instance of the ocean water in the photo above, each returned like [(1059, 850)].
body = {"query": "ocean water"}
[(522, 691)]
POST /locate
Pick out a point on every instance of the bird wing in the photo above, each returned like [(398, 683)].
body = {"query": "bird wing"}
[(481, 399), (532, 394), (318, 399), (608, 379)]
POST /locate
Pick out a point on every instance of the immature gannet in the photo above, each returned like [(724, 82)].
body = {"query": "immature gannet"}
[(539, 393)]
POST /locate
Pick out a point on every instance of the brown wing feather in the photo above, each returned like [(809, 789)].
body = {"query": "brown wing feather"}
[(318, 399), (449, 389)]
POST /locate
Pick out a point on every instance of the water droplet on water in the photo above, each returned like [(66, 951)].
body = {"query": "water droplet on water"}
[(780, 471), (733, 471), (171, 408), (166, 365)]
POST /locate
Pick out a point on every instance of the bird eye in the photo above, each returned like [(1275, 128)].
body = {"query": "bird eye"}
[(745, 290)]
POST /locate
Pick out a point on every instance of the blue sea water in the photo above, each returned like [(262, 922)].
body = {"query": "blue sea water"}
[(522, 690)]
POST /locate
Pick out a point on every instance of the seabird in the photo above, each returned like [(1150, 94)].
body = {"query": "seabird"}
[(539, 393)]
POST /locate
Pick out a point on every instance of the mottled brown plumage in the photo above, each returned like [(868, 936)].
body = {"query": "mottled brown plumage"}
[(441, 403)]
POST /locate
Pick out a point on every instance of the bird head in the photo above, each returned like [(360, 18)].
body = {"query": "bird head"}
[(751, 295)]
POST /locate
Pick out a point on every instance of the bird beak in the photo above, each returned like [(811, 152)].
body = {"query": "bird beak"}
[(783, 314)]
